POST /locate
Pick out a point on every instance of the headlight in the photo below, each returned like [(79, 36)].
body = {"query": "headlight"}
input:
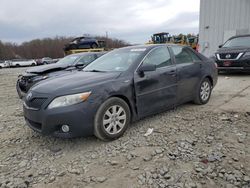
[(69, 100), (246, 54)]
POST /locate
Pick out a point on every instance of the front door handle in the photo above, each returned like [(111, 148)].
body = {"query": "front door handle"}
[(172, 72)]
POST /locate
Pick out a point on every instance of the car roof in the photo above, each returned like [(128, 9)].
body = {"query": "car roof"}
[(150, 46), (239, 36)]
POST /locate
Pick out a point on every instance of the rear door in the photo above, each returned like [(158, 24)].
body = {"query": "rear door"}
[(156, 90), (188, 66)]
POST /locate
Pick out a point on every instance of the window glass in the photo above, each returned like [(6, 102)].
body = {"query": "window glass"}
[(181, 55), (117, 60), (238, 42), (159, 57), (86, 59), (194, 56)]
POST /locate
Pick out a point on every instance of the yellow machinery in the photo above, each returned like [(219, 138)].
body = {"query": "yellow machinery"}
[(84, 50), (164, 37)]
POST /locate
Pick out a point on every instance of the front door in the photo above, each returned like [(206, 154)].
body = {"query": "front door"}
[(156, 90)]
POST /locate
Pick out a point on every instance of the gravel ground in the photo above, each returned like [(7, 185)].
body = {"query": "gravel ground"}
[(191, 146)]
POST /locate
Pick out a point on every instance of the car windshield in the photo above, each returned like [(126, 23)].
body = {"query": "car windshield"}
[(116, 61), (69, 60), (238, 42)]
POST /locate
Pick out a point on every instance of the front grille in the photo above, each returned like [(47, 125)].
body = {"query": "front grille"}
[(231, 56), (36, 102)]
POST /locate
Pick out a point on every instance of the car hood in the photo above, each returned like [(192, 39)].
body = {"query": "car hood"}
[(233, 50), (75, 82), (47, 68)]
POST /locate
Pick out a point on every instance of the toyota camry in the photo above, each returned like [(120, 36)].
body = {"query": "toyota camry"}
[(118, 88)]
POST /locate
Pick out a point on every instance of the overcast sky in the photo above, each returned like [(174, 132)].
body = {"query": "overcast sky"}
[(130, 20)]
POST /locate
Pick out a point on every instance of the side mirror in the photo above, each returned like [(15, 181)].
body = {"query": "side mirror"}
[(146, 68), (220, 46)]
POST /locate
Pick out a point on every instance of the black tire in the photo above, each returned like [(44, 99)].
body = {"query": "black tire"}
[(33, 64), (94, 45), (17, 65), (0, 67), (200, 98), (99, 126), (74, 47)]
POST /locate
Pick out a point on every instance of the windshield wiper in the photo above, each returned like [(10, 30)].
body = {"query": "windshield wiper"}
[(94, 70)]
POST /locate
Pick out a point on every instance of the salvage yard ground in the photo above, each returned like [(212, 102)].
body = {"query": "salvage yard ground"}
[(191, 146)]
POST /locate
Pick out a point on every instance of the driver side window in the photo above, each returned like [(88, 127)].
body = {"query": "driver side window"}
[(159, 57)]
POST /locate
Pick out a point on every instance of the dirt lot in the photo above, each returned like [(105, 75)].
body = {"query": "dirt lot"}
[(191, 146)]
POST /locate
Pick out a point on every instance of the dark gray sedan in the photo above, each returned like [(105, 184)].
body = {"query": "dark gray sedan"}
[(120, 87)]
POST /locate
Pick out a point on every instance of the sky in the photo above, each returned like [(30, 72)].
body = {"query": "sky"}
[(131, 20)]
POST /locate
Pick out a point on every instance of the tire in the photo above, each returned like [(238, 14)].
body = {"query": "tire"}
[(33, 64), (74, 47), (109, 125), (94, 45), (204, 92), (17, 65)]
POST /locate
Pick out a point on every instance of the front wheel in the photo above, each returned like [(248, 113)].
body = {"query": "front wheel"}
[(112, 119), (204, 92)]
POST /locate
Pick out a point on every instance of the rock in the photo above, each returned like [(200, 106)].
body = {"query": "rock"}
[(135, 168), (114, 163), (62, 173), (101, 179), (246, 179), (240, 139), (225, 118), (51, 179), (55, 149), (159, 151), (74, 171), (198, 169), (235, 159), (164, 171), (23, 163), (167, 176), (147, 158)]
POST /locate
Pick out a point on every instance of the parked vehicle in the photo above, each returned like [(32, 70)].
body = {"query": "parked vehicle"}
[(3, 64), (22, 62), (63, 66), (234, 55), (47, 60), (122, 86), (82, 43)]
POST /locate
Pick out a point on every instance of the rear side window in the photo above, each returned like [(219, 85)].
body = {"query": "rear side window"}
[(182, 55), (159, 57), (194, 56)]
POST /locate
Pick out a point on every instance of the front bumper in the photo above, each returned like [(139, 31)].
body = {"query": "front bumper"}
[(79, 117), (237, 65)]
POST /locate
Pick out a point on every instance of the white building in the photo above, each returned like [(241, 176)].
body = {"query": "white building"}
[(221, 19)]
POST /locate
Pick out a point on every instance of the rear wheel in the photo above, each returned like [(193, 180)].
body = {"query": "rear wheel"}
[(111, 119), (204, 92), (94, 45), (33, 64), (17, 65)]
